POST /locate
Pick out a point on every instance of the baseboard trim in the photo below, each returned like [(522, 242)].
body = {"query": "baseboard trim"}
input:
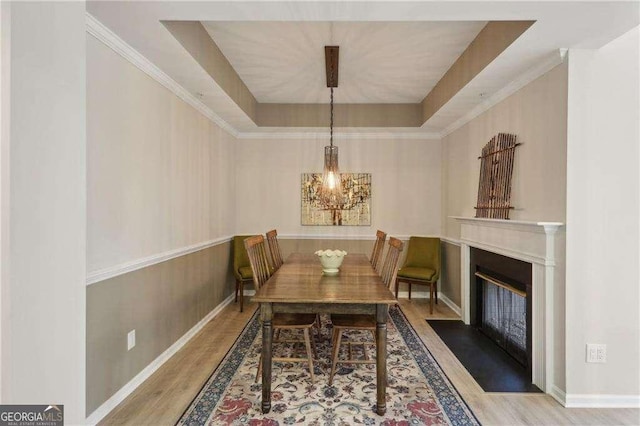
[(404, 294), (101, 412), (114, 271), (455, 308), (559, 395), (601, 401)]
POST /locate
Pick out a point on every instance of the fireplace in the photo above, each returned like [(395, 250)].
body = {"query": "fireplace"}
[(502, 293), (541, 246)]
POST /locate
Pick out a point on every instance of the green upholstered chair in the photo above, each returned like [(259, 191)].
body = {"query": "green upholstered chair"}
[(422, 266), (241, 267)]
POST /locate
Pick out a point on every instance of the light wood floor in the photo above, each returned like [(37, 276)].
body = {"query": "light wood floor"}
[(162, 399)]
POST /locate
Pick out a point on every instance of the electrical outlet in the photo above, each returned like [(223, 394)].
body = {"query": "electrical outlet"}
[(596, 353), (131, 339)]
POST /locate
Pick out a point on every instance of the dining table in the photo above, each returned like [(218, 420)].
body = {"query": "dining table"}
[(300, 286)]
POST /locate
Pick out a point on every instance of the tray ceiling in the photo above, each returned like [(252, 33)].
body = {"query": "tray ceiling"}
[(380, 62), (391, 55)]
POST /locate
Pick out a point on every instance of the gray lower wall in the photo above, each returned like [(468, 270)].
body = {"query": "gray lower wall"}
[(161, 302), (450, 284)]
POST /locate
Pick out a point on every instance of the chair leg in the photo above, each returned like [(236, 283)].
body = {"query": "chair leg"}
[(309, 354), (317, 324), (336, 350), (397, 286), (431, 299), (409, 291), (237, 286), (313, 346), (241, 295), (435, 291)]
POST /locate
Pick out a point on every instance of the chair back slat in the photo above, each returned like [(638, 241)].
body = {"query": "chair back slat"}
[(390, 266), (258, 258), (274, 249), (378, 247)]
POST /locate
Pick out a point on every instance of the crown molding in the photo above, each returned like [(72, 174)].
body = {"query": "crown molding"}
[(553, 60), (115, 43), (313, 134)]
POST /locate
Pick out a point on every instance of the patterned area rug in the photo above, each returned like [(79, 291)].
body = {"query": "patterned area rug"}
[(418, 392)]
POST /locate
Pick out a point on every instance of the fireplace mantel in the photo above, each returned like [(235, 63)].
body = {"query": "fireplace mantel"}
[(542, 245), (523, 240)]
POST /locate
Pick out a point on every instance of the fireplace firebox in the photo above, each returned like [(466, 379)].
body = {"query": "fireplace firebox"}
[(501, 287)]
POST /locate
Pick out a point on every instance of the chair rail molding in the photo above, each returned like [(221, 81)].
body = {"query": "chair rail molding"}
[(123, 268), (543, 245)]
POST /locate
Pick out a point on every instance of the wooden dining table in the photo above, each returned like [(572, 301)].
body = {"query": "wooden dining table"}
[(300, 286)]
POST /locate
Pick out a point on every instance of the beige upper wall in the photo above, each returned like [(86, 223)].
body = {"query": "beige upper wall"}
[(405, 184), (159, 174), (537, 114)]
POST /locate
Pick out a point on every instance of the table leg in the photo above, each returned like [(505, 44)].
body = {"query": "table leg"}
[(381, 358), (266, 314)]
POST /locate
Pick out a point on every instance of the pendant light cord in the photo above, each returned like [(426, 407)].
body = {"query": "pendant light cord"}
[(331, 123)]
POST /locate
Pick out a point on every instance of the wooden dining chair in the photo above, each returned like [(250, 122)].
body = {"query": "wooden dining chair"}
[(342, 322), (378, 248), (262, 271), (241, 267), (421, 266), (274, 249)]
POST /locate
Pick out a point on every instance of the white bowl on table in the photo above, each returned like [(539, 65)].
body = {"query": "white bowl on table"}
[(331, 260)]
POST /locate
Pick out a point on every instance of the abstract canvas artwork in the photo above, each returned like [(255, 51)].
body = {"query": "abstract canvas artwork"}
[(356, 210)]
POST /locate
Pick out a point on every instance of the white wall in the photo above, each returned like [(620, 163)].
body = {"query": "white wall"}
[(405, 184), (5, 142), (43, 282), (537, 115), (160, 174), (602, 218)]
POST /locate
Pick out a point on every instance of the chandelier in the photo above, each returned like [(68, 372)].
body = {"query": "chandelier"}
[(331, 194)]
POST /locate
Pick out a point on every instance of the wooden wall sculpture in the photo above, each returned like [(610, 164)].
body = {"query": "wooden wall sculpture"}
[(496, 169)]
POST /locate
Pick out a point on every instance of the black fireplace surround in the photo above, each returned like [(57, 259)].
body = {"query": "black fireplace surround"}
[(516, 274)]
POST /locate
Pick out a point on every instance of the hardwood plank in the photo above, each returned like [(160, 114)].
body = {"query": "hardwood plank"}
[(162, 399)]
